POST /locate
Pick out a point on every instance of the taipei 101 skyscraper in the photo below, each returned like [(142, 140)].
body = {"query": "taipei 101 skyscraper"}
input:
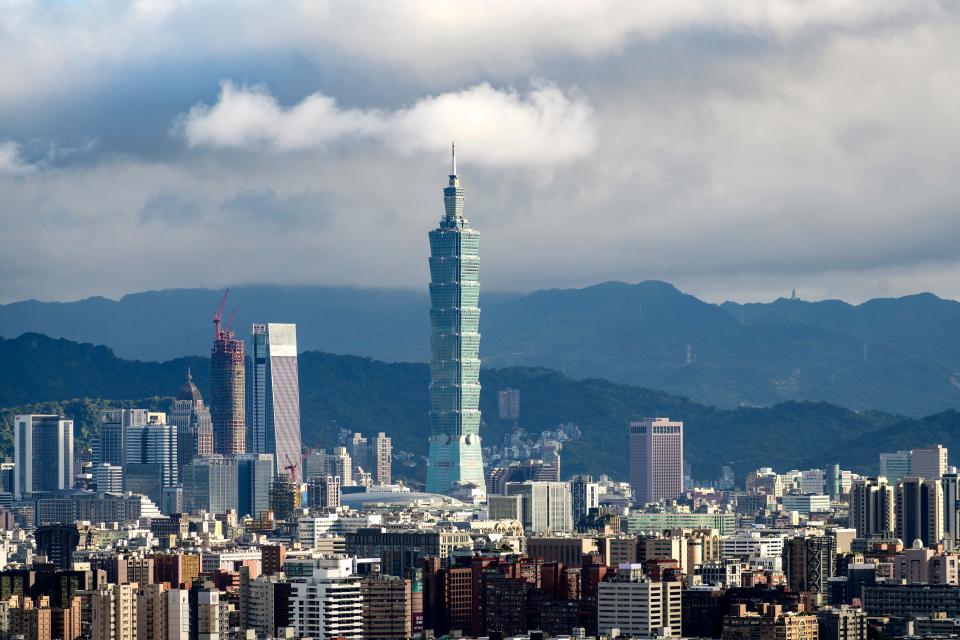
[(455, 453)]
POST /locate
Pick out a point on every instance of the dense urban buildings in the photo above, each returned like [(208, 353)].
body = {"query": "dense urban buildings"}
[(274, 421), (455, 456)]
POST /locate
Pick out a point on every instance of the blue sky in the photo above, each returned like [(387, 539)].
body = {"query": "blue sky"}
[(738, 149)]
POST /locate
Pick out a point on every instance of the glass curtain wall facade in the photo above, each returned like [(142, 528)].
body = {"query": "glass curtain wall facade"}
[(455, 457), (275, 395)]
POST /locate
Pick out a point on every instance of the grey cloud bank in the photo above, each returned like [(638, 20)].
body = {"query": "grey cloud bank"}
[(737, 149)]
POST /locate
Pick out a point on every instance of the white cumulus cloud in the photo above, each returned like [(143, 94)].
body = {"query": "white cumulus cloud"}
[(544, 126)]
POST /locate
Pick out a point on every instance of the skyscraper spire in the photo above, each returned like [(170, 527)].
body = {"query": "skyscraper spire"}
[(453, 157)]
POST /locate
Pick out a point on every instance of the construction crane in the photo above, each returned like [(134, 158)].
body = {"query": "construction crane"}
[(292, 468), (218, 314)]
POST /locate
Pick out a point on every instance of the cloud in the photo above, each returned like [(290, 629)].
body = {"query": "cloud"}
[(12, 162), (546, 126)]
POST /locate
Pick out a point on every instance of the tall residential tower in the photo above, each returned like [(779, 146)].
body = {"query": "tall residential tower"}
[(275, 395), (455, 453)]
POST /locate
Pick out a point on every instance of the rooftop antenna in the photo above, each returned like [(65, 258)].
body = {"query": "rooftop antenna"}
[(453, 157)]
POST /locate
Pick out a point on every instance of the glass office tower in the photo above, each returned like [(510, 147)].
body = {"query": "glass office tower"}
[(455, 453), (274, 419)]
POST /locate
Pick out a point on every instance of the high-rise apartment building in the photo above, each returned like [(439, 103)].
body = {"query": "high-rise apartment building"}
[(637, 606), (43, 453), (113, 612), (360, 451), (929, 463), (327, 603), (254, 477), (227, 392), (656, 460), (275, 395), (194, 425), (324, 492), (382, 452), (546, 506), (387, 607), (455, 456), (919, 511), (508, 404), (872, 507), (894, 466)]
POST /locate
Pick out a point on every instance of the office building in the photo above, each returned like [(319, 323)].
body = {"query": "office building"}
[(72, 506), (110, 446), (254, 477), (919, 511), (151, 450), (640, 521), (210, 484), (108, 477), (584, 497), (638, 607), (455, 455), (43, 453), (809, 562), (929, 463), (872, 508), (546, 506), (805, 504), (950, 483), (894, 466), (275, 395), (285, 497), (57, 542), (656, 460), (227, 391), (401, 550), (911, 600), (382, 452), (194, 425), (508, 404)]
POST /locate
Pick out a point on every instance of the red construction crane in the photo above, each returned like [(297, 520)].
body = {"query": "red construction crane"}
[(292, 468), (218, 314)]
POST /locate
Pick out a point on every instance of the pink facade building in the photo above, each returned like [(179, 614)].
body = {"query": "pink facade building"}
[(656, 459)]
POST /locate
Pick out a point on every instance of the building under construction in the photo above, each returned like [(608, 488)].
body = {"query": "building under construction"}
[(227, 380)]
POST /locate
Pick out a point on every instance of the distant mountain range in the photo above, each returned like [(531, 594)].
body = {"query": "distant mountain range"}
[(42, 373), (897, 355)]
